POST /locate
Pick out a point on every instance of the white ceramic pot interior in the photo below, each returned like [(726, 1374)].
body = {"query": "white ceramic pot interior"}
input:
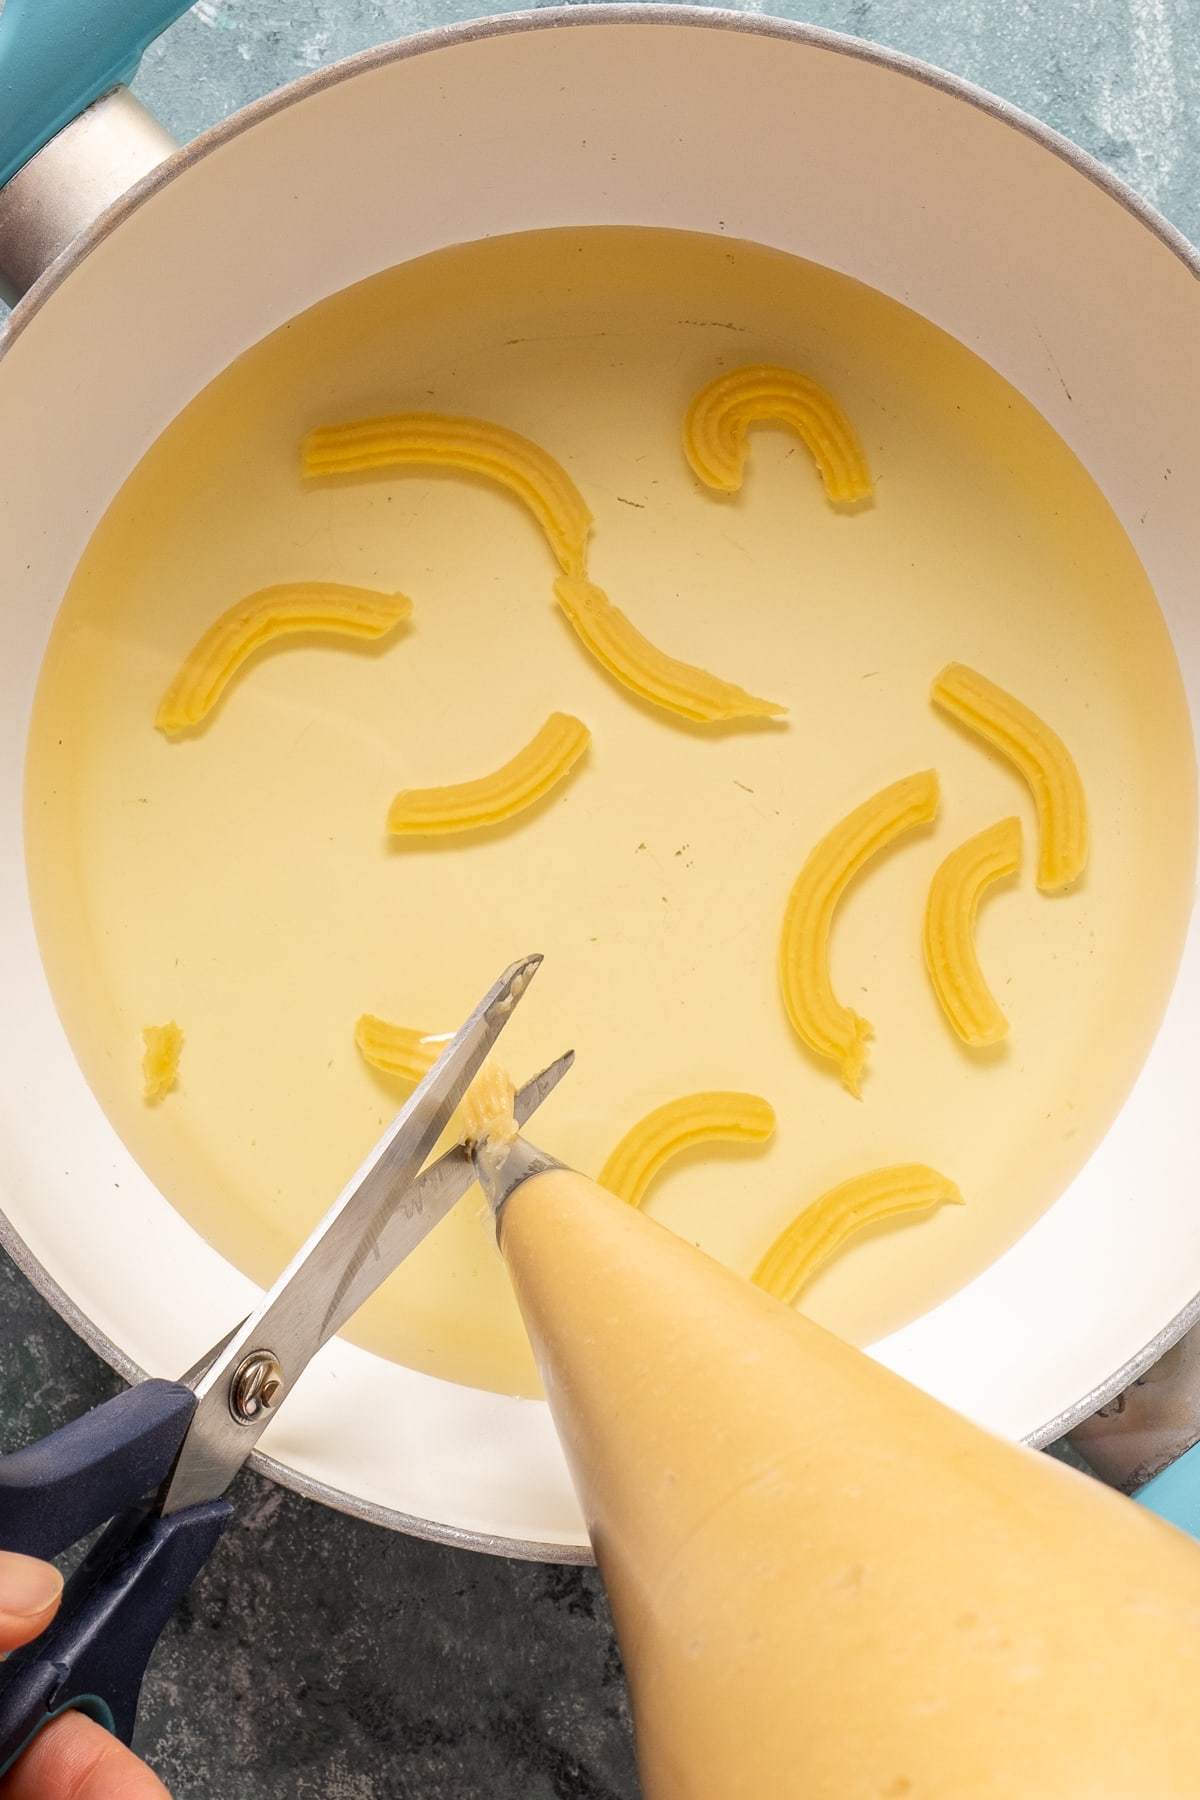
[(711, 125)]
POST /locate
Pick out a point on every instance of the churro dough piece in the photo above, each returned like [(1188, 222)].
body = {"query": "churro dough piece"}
[(257, 621), (717, 428), (160, 1059), (679, 1125), (818, 1232), (487, 1108), (826, 1026), (477, 447), (1041, 757), (467, 805), (397, 1049), (950, 954), (620, 647)]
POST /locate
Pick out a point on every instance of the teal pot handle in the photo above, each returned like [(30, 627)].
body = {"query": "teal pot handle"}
[(1175, 1494), (57, 56)]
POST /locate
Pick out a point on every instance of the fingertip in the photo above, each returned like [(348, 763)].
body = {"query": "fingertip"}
[(76, 1759), (30, 1591)]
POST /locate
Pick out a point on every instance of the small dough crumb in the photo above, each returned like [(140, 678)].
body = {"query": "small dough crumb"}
[(160, 1062), (487, 1108)]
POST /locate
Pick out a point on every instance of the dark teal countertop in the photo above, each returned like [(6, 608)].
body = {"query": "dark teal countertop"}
[(1121, 78), (318, 1656)]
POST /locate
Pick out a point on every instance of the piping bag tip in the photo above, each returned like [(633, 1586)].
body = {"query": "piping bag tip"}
[(502, 1164)]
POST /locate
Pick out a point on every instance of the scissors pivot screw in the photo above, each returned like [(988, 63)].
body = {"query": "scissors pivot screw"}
[(256, 1387)]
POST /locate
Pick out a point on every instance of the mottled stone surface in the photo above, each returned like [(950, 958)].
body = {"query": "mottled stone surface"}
[(1121, 78), (319, 1657)]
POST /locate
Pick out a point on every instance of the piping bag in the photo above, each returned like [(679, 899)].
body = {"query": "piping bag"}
[(825, 1584)]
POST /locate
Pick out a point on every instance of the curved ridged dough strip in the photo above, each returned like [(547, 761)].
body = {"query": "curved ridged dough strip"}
[(620, 648), (258, 620), (160, 1059), (818, 1016), (397, 1049), (467, 805), (822, 1228), (487, 1107), (679, 1125), (717, 427), (477, 447), (950, 912), (1041, 757)]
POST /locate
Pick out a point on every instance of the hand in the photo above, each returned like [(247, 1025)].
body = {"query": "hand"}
[(73, 1759)]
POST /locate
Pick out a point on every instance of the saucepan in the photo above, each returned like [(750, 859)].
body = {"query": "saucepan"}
[(145, 270)]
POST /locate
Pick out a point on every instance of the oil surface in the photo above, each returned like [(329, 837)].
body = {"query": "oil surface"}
[(240, 880)]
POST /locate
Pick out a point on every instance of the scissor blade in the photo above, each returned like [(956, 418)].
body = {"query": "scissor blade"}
[(200, 1369), (418, 1209), (294, 1319), (429, 1199)]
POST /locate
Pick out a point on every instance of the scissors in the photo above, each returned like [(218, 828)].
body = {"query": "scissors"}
[(155, 1461)]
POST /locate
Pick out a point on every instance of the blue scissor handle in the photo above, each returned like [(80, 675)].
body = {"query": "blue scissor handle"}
[(57, 56), (94, 1655), (1175, 1494), (107, 1465), (55, 1492)]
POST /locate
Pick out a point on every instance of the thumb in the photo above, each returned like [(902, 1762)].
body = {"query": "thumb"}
[(29, 1594), (75, 1759)]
